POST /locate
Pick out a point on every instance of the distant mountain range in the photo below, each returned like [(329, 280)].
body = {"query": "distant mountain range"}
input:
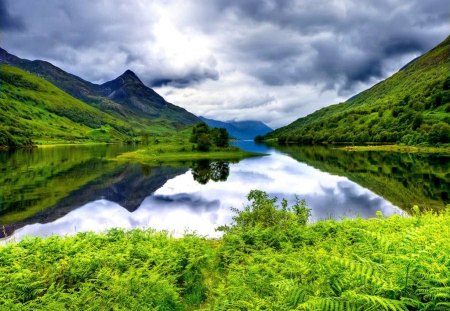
[(411, 107), (240, 129)]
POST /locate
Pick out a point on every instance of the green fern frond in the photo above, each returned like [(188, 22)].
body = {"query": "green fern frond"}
[(374, 302), (362, 270)]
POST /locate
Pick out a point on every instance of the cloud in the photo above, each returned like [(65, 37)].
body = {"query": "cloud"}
[(9, 22), (274, 60)]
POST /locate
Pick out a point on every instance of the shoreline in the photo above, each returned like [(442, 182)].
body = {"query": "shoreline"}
[(398, 148), (141, 156)]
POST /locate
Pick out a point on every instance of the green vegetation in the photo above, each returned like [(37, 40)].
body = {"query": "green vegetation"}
[(400, 178), (268, 259), (172, 153), (399, 148), (205, 137), (33, 110), (411, 107), (35, 180)]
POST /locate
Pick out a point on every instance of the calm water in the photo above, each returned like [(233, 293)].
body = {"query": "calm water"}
[(64, 190)]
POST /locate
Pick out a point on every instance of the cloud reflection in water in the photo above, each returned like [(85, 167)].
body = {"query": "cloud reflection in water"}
[(182, 204)]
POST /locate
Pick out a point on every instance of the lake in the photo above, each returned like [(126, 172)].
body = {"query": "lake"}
[(69, 189)]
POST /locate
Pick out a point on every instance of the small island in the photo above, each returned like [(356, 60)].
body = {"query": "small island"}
[(201, 142)]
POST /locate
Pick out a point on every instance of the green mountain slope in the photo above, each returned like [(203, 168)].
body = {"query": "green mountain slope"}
[(412, 107), (125, 96), (33, 109)]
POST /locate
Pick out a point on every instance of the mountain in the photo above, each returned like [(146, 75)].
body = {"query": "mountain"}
[(240, 129), (126, 95), (412, 107), (130, 92), (33, 109)]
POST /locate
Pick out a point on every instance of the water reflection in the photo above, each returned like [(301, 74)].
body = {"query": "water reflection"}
[(403, 179), (205, 170), (184, 204)]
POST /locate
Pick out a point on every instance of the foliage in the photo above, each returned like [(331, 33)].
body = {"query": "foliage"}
[(410, 107), (269, 259), (263, 213), (205, 137)]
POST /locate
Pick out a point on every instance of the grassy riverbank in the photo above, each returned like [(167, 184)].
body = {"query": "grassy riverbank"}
[(268, 260), (400, 148)]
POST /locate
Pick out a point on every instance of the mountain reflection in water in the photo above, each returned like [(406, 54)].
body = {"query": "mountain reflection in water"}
[(199, 200)]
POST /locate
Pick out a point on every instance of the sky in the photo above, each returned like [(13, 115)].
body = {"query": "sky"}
[(267, 60)]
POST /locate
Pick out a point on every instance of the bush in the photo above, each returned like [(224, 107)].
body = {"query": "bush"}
[(263, 212), (439, 133)]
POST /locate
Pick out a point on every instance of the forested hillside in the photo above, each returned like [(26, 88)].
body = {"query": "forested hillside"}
[(411, 107)]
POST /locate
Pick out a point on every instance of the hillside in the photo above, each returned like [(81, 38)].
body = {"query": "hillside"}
[(240, 129), (33, 109), (124, 96), (411, 107)]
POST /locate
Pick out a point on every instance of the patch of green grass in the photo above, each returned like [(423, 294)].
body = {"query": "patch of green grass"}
[(268, 259), (32, 109)]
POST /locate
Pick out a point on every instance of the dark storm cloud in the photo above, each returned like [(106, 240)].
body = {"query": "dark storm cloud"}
[(185, 80), (8, 21), (230, 58), (346, 42), (96, 40)]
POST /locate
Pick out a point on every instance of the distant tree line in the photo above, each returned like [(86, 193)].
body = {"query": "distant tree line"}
[(206, 138)]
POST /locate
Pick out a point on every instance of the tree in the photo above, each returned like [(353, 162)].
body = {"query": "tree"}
[(203, 142), (220, 137), (206, 137)]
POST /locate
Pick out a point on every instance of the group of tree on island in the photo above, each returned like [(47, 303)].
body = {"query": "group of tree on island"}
[(206, 138)]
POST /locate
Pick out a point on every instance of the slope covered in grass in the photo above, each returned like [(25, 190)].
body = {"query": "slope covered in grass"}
[(411, 107), (268, 260), (33, 109)]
